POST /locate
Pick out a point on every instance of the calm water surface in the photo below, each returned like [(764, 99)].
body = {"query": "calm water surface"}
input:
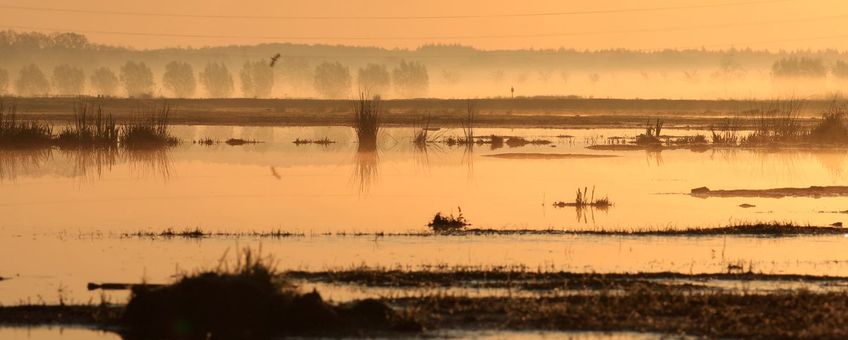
[(62, 213)]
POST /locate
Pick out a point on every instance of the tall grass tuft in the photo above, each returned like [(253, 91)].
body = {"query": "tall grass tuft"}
[(19, 133), (366, 121), (90, 128), (779, 121), (832, 128), (468, 123), (150, 130)]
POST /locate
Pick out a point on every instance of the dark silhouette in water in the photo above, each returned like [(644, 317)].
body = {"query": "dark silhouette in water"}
[(250, 302)]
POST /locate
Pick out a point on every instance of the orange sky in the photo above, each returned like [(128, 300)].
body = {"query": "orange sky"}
[(635, 24)]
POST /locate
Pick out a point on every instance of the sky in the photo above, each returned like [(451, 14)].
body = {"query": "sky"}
[(485, 24)]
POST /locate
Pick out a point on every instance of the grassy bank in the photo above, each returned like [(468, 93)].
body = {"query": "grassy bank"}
[(528, 112)]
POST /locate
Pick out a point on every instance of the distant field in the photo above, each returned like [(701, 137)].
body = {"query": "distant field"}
[(525, 112)]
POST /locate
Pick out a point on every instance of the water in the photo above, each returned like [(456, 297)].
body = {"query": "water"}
[(63, 213), (74, 333), (277, 185)]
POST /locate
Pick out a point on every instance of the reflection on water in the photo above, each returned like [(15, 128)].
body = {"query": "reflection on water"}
[(14, 162), (58, 332), (239, 187), (86, 164), (365, 170)]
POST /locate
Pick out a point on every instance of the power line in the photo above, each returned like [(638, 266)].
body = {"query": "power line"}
[(409, 17), (443, 37)]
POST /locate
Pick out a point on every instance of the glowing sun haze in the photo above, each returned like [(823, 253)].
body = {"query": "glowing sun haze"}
[(600, 24)]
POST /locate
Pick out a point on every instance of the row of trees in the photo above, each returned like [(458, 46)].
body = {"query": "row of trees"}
[(409, 79), (331, 80), (136, 78)]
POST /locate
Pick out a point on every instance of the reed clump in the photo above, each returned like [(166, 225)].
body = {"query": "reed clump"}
[(251, 300), (321, 141), (448, 223), (90, 128), (779, 121), (149, 131), (832, 128), (366, 121), (652, 133), (18, 133), (585, 199)]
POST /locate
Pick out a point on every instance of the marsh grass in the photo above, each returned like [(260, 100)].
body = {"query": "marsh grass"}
[(248, 299), (322, 141), (90, 128), (239, 141), (448, 223), (777, 121), (832, 128), (149, 130), (652, 134), (366, 121), (585, 199), (18, 133)]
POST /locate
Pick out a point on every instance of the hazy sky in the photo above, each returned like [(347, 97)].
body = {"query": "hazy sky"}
[(488, 24)]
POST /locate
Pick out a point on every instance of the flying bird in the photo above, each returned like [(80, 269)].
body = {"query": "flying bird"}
[(274, 59)]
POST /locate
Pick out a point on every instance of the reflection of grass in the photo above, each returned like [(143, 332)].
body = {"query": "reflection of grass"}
[(14, 162), (365, 170)]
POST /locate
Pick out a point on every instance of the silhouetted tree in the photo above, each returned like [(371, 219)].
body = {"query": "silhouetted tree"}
[(68, 80), (332, 80), (137, 79), (217, 80), (104, 82), (374, 79), (799, 67), (295, 73), (32, 82), (257, 79), (840, 69), (179, 79), (4, 81), (410, 79)]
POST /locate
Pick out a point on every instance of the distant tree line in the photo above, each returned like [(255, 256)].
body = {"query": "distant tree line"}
[(136, 79)]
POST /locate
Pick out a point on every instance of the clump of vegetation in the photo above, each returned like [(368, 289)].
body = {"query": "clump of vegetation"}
[(251, 300), (652, 134), (698, 139), (468, 123), (239, 141), (16, 132), (206, 141), (725, 133), (585, 199), (515, 142), (151, 131), (497, 142), (366, 121), (422, 136), (832, 128), (777, 122), (322, 141), (448, 223), (90, 128)]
